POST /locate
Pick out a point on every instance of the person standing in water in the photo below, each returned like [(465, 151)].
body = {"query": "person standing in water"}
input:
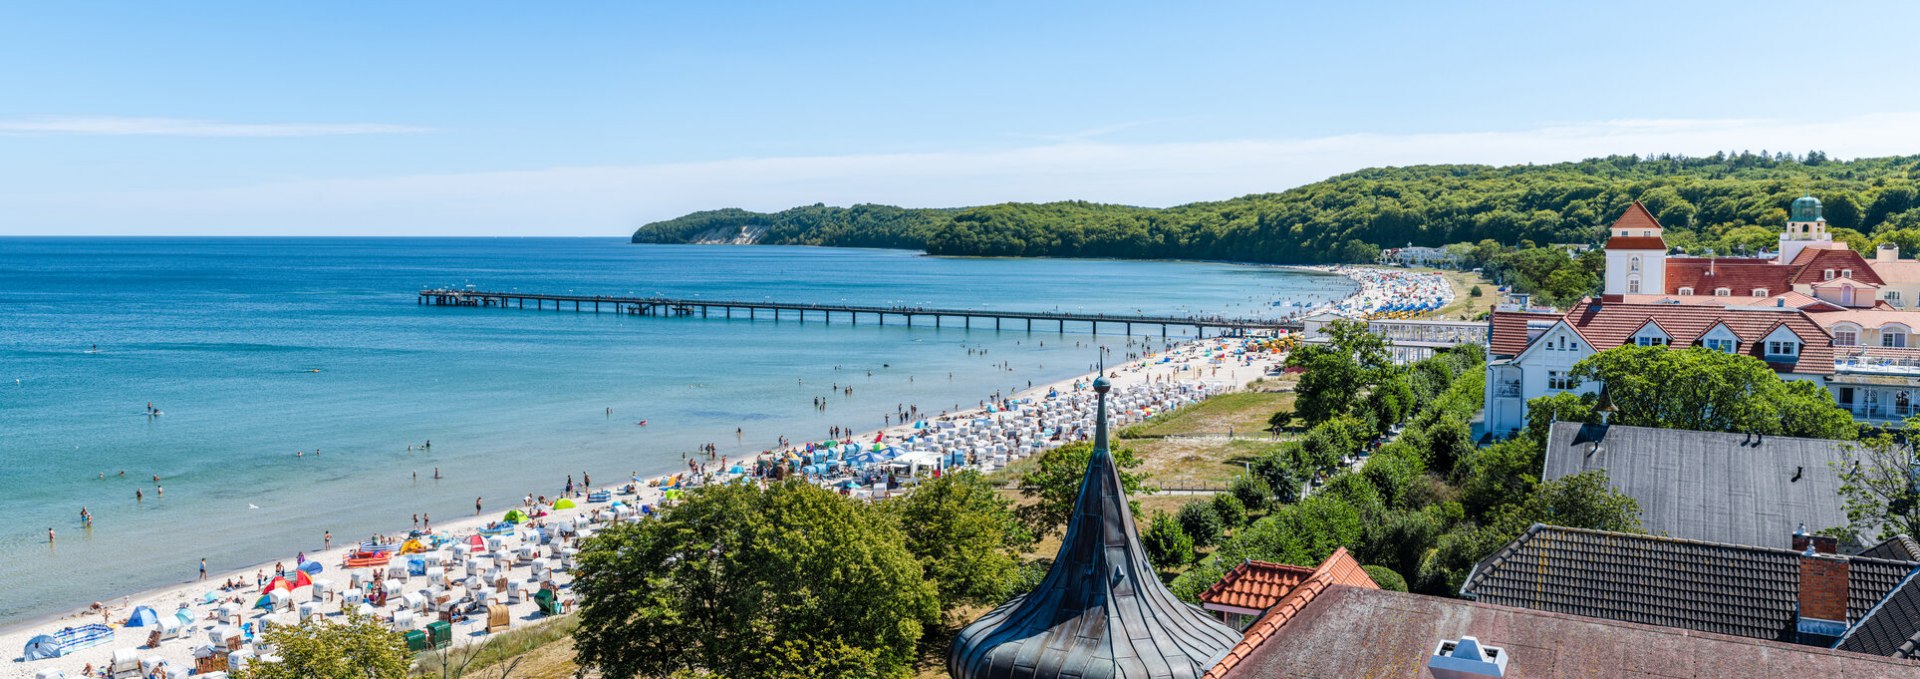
[(476, 506)]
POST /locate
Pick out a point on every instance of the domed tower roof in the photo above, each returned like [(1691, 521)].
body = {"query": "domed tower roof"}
[(1806, 209), (1101, 612)]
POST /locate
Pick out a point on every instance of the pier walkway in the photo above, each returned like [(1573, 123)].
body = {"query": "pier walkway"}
[(701, 308)]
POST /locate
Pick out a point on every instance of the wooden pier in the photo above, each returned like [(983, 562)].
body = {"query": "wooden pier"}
[(851, 313)]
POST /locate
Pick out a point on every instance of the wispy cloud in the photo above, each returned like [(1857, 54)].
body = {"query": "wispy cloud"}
[(181, 127), (611, 200)]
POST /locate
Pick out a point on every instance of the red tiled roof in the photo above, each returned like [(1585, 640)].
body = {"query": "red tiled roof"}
[(1255, 584), (1636, 218), (1510, 331), (1606, 326), (1812, 264), (1740, 276), (1338, 569), (1637, 243)]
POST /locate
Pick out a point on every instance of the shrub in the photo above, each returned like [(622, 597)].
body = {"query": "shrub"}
[(1253, 491), (1232, 513), (1202, 523), (1166, 543), (1385, 577)]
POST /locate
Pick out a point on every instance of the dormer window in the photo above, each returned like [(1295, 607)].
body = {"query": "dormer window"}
[(1723, 292), (1783, 348), (1686, 291), (1846, 338), (1846, 273), (1720, 345), (1759, 292), (1650, 341), (1647, 233), (1623, 233), (1829, 274), (1894, 337)]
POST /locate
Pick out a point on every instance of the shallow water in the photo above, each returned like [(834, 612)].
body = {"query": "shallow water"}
[(257, 348)]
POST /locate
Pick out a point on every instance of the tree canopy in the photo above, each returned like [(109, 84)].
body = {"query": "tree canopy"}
[(1053, 484), (358, 647), (736, 581), (1705, 202), (1705, 390)]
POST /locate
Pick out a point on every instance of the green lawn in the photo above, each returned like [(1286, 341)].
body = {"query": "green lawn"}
[(1243, 413)]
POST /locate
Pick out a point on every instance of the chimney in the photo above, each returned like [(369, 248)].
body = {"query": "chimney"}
[(1467, 659), (1820, 544), (1823, 598), (1887, 252)]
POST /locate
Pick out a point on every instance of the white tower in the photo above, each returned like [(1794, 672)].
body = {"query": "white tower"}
[(1805, 227), (1636, 254)]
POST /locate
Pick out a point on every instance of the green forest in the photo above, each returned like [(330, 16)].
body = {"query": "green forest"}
[(1728, 202)]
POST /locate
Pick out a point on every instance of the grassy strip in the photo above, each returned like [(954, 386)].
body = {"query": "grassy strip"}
[(470, 659)]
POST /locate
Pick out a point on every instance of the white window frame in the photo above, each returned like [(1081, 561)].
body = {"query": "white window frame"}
[(1892, 298), (1783, 348), (1686, 291), (1829, 274), (1759, 292), (1722, 292)]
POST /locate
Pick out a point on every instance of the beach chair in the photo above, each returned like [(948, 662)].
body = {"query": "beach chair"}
[(498, 619), (125, 663)]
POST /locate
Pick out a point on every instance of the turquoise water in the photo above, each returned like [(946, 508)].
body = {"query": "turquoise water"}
[(224, 336)]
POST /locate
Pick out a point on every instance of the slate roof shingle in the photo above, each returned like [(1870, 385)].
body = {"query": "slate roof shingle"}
[(1892, 628), (1711, 486), (1898, 548), (1740, 590), (1354, 632)]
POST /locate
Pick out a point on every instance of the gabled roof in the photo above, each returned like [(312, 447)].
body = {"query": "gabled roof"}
[(1255, 585), (1843, 282), (1613, 324), (1714, 486), (1892, 628), (1741, 590), (1635, 221), (1339, 569), (1355, 632), (1898, 548), (1811, 265)]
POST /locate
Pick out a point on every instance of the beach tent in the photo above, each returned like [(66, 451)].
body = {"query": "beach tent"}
[(515, 516), (301, 579), (564, 503), (143, 617), (264, 603), (67, 641), (412, 546), (476, 542), (312, 567), (278, 583)]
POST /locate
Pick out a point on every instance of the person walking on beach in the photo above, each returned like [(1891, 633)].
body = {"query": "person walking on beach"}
[(327, 541), (203, 569), (416, 522), (426, 521)]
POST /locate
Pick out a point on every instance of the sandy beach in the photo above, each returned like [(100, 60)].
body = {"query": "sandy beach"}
[(1199, 367)]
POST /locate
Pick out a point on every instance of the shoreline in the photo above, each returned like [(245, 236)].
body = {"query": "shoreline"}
[(1133, 373)]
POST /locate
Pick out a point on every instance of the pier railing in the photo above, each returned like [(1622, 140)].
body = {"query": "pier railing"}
[(703, 308)]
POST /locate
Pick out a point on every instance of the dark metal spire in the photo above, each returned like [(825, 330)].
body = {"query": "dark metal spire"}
[(1101, 612)]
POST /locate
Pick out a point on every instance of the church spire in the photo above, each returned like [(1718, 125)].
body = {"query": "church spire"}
[(1101, 612)]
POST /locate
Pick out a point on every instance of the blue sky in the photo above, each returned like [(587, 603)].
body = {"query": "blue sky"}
[(497, 118)]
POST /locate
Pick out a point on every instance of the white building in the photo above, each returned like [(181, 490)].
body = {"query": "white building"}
[(1818, 311)]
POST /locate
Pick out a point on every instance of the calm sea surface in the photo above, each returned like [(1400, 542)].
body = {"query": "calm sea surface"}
[(257, 348)]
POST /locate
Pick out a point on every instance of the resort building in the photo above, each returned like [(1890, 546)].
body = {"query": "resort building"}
[(1101, 612), (1816, 311)]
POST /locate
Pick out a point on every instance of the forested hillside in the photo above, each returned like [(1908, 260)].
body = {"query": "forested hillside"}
[(1727, 202)]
